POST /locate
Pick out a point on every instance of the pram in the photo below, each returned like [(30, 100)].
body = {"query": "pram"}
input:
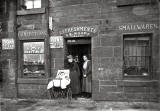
[(59, 87)]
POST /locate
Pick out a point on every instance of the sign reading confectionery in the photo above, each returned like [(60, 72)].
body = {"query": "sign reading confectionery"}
[(79, 31), (128, 27), (8, 43), (32, 33), (56, 42)]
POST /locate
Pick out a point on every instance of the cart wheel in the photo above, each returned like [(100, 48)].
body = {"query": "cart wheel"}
[(52, 93), (55, 94), (49, 94), (63, 94), (69, 94)]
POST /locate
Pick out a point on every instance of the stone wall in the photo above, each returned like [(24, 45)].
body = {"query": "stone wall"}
[(9, 57), (107, 44), (159, 51), (36, 21)]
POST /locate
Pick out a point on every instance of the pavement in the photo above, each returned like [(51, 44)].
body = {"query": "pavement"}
[(81, 104)]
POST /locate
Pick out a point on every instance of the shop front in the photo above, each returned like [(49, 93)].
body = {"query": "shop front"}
[(120, 38), (75, 41)]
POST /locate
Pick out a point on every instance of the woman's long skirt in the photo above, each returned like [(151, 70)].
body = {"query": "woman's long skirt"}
[(87, 84), (75, 82)]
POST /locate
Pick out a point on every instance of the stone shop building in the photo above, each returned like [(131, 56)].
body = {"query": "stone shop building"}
[(121, 38)]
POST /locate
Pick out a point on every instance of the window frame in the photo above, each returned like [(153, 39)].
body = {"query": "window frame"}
[(21, 5), (138, 35), (33, 4), (22, 59)]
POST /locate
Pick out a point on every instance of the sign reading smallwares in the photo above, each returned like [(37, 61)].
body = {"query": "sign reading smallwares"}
[(79, 31), (56, 42), (8, 43), (129, 27)]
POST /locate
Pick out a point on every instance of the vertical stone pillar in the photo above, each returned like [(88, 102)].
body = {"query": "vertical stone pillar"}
[(9, 89)]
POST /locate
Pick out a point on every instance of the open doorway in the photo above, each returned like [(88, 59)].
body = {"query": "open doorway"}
[(77, 47)]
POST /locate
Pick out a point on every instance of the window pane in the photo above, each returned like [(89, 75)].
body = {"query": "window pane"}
[(29, 4), (137, 55), (33, 57), (33, 69), (37, 3), (33, 47), (143, 47), (130, 48)]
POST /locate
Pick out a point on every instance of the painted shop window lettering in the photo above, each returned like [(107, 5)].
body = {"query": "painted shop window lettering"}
[(33, 59), (30, 4), (137, 55)]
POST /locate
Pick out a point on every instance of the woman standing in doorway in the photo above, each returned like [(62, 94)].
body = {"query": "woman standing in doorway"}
[(74, 76), (87, 76)]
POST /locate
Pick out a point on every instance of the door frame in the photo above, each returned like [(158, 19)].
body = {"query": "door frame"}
[(91, 46)]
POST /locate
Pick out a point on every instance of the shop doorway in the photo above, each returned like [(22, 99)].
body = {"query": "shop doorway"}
[(79, 47)]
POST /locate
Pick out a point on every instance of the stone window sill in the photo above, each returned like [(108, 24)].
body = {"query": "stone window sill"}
[(31, 11), (143, 77), (138, 83), (32, 81)]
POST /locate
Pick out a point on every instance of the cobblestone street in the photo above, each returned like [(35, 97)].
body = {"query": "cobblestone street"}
[(75, 105)]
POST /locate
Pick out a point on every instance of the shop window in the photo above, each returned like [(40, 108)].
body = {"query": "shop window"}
[(33, 59), (137, 55), (30, 4)]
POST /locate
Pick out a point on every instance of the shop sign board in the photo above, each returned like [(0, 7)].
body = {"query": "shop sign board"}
[(8, 43), (63, 73), (78, 31), (30, 33), (56, 42), (129, 27), (50, 23)]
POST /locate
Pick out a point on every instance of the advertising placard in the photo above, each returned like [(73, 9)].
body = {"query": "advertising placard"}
[(56, 42)]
